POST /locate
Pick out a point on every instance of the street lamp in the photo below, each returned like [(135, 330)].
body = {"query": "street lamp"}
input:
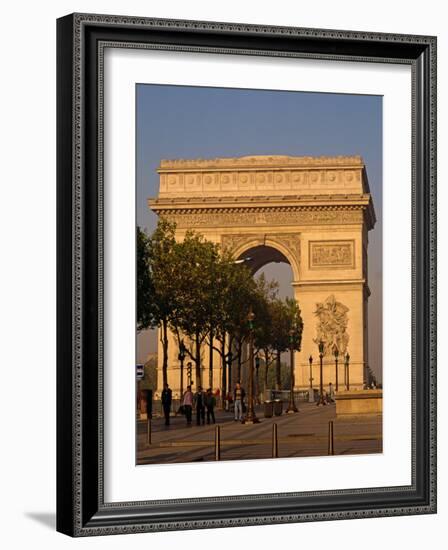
[(250, 417), (189, 374), (347, 370), (311, 392), (336, 355), (321, 390), (291, 405), (181, 357), (242, 260), (257, 385)]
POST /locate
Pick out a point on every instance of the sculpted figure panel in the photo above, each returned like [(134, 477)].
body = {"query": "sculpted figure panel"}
[(327, 254), (331, 328)]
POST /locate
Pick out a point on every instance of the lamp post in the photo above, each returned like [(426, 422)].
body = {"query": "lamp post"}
[(251, 417), (181, 357), (321, 390), (336, 355), (189, 366), (347, 370), (291, 405), (257, 385), (311, 392)]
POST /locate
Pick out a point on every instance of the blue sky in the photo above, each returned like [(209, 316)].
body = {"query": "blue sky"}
[(202, 122)]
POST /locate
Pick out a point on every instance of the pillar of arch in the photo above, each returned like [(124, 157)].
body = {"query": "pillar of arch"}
[(312, 212)]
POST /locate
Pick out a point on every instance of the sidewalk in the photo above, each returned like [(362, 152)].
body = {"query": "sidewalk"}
[(301, 434)]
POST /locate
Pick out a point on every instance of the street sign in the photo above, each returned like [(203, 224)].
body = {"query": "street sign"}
[(140, 372)]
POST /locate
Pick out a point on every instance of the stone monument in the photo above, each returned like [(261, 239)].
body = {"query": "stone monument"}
[(311, 212)]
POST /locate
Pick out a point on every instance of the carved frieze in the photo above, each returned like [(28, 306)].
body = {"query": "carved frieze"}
[(331, 254), (197, 218)]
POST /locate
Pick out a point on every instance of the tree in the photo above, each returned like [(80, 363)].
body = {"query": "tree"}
[(267, 292), (232, 292), (194, 279), (241, 297), (199, 292), (279, 335), (295, 323), (145, 287), (285, 317), (155, 282), (285, 376)]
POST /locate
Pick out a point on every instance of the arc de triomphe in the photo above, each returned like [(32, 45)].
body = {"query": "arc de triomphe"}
[(311, 212)]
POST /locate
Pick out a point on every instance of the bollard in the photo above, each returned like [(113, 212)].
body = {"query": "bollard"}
[(218, 443), (148, 431), (274, 441), (330, 438)]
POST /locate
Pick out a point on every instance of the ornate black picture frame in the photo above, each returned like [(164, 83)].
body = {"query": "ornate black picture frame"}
[(81, 509)]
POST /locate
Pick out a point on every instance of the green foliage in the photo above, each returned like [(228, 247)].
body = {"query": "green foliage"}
[(162, 262), (285, 377), (198, 291), (292, 311), (285, 326), (195, 277), (145, 287)]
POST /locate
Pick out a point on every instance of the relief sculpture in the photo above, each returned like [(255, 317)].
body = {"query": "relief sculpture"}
[(331, 328), (338, 254)]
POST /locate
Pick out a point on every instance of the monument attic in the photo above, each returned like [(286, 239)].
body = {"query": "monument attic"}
[(313, 213)]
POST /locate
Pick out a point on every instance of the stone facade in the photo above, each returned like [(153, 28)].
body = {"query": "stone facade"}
[(312, 212)]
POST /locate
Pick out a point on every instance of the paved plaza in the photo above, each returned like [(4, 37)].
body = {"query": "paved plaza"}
[(301, 434)]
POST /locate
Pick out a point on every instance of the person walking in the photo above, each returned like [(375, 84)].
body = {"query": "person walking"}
[(187, 404), (238, 398), (199, 403), (166, 403), (210, 403)]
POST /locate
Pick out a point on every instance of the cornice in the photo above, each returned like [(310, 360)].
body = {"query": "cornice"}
[(298, 201), (272, 162), (179, 207)]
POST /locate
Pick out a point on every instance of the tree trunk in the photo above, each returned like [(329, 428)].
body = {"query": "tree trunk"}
[(210, 362), (278, 376), (224, 371), (198, 362), (240, 351), (230, 371), (165, 352)]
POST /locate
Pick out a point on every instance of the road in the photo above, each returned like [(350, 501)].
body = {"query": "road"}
[(301, 434)]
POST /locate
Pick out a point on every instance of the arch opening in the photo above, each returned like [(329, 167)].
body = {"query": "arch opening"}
[(259, 256), (272, 263)]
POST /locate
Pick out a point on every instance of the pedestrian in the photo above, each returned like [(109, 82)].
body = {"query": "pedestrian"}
[(199, 403), (238, 398), (210, 403), (187, 404), (166, 403)]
